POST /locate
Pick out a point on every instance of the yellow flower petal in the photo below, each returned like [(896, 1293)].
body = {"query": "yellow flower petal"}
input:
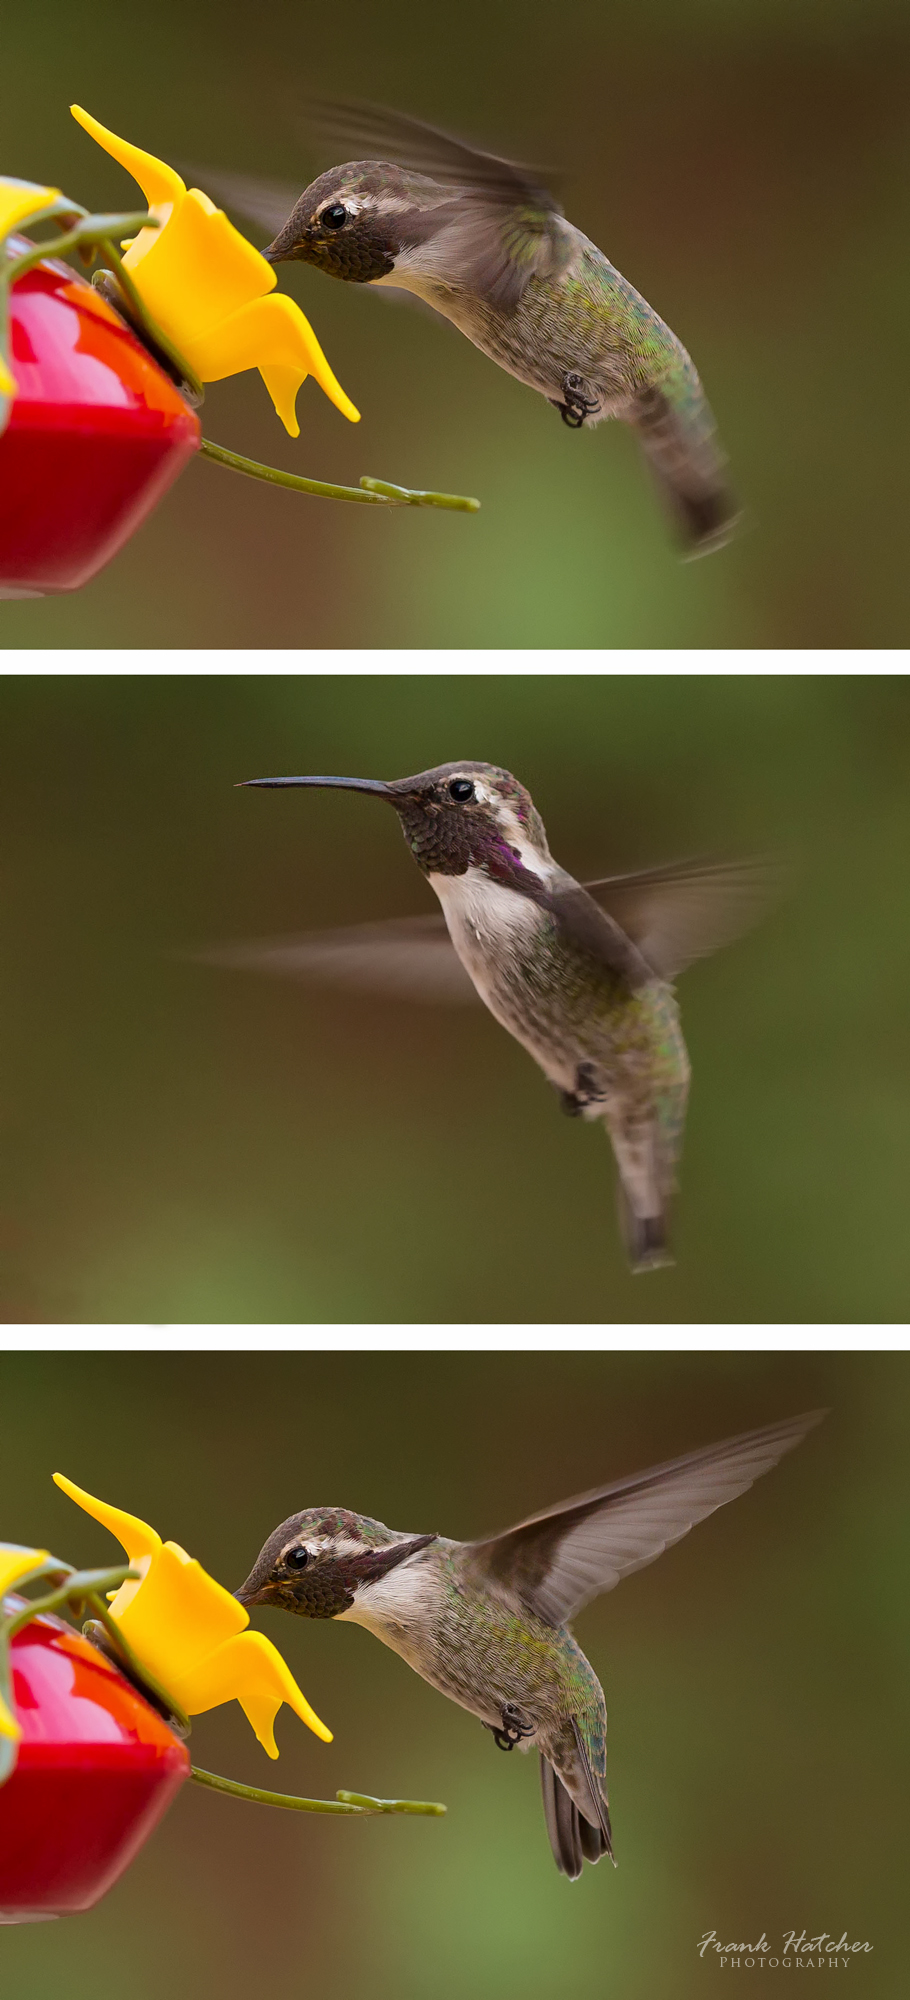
[(138, 1539), (250, 1668), (158, 182), (198, 270), (190, 1633), (274, 336), (178, 1615), (19, 200), (17, 1562)]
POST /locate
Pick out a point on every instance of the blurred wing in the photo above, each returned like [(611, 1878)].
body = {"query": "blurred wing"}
[(493, 251), (376, 134), (557, 1561), (675, 915), (410, 958), (504, 227), (267, 202)]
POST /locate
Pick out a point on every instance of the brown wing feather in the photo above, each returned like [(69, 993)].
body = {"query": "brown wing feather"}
[(683, 912), (557, 1561), (409, 958), (410, 142)]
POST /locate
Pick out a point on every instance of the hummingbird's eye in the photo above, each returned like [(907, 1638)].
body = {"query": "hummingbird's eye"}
[(332, 218), (297, 1558), (461, 789)]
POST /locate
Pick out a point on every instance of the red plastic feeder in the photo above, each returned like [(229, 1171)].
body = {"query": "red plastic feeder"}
[(96, 1771), (96, 435)]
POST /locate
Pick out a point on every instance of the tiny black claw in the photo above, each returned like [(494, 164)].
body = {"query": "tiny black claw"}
[(587, 1091), (575, 387), (514, 1726), (577, 404)]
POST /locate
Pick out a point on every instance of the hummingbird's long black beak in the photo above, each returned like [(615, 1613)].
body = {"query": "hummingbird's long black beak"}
[(377, 786)]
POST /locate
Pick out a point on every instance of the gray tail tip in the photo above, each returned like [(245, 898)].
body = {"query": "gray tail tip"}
[(708, 521), (649, 1249)]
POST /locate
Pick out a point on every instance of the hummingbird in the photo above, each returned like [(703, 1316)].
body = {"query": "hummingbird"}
[(579, 975), (488, 1622), (482, 241)]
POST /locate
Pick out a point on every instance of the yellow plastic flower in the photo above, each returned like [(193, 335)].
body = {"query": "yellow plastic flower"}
[(19, 201), (14, 1563), (190, 1632), (207, 288)]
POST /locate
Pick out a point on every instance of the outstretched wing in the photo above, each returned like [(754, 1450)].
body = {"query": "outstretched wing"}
[(557, 1561), (503, 227), (407, 958), (677, 914)]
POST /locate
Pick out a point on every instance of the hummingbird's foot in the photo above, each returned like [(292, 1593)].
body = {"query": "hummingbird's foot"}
[(587, 1092), (515, 1725), (577, 403)]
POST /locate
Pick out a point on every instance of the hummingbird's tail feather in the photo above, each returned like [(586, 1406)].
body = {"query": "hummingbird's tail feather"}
[(561, 1815), (677, 436), (645, 1183), (574, 1837), (596, 1836), (645, 1237)]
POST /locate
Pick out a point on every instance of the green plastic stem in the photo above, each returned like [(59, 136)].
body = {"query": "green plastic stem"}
[(90, 232), (375, 492), (358, 1803), (367, 1804), (411, 497), (79, 1585), (273, 477)]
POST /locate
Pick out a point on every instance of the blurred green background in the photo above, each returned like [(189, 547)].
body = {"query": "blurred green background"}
[(755, 1676), (184, 1142), (744, 162)]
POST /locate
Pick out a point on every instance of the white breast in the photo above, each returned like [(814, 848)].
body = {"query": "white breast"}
[(492, 928), (398, 1608), (482, 915)]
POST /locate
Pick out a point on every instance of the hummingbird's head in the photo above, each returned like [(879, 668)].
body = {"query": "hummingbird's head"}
[(320, 1562), (354, 221), (456, 817)]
